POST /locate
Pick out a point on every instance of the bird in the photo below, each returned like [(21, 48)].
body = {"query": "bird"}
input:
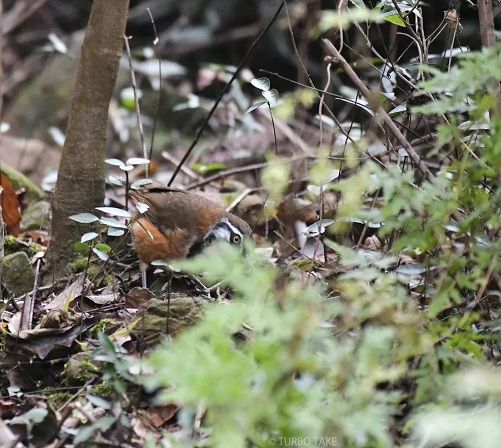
[(180, 224)]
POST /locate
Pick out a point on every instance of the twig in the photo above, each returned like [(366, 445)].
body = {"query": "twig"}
[(188, 171), (136, 102), (37, 277), (19, 14), (2, 236), (27, 313), (321, 103), (287, 132), (240, 197), (157, 105), (225, 173)]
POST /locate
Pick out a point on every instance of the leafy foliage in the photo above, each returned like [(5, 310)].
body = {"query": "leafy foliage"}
[(337, 360), (290, 377), (463, 87)]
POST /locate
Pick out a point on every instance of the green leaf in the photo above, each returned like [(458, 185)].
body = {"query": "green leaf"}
[(137, 161), (127, 167), (118, 181), (84, 433), (140, 183), (315, 189), (128, 101), (102, 255), (271, 96), (142, 208), (112, 231), (255, 106), (115, 211), (261, 83), (205, 168), (98, 401), (103, 247), (330, 19), (36, 415), (114, 162), (81, 247), (84, 218), (318, 227), (396, 19), (112, 223), (398, 110), (58, 44), (88, 237), (440, 302)]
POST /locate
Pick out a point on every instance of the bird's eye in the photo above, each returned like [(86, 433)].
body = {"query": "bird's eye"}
[(236, 239)]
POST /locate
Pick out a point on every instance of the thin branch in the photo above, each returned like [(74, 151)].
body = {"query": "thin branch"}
[(157, 105), (136, 102), (21, 12), (226, 173)]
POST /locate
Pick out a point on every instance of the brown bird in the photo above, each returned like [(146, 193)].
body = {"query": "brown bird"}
[(180, 224)]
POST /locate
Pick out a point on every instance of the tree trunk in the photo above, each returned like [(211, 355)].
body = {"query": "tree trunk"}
[(80, 183)]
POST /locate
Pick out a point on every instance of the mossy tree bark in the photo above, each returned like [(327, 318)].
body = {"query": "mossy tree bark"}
[(80, 183)]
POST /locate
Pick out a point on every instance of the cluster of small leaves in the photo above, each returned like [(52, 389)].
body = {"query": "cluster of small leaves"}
[(466, 86), (270, 95), (88, 239), (114, 227), (331, 19), (398, 12), (314, 364)]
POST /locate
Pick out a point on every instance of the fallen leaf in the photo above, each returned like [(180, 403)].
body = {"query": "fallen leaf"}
[(42, 341), (158, 415), (71, 293), (372, 243), (137, 296), (10, 207), (103, 299)]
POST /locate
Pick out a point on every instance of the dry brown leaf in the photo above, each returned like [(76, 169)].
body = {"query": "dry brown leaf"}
[(103, 299), (298, 209), (451, 18), (10, 207), (56, 318), (137, 296), (372, 243), (31, 157), (250, 208), (42, 341), (158, 415), (70, 294)]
